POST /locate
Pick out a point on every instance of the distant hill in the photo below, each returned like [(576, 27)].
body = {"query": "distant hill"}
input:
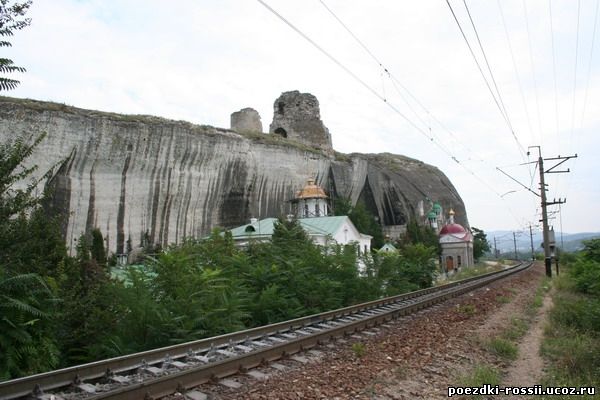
[(570, 241)]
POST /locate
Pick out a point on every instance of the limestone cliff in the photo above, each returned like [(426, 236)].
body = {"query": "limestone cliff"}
[(134, 176)]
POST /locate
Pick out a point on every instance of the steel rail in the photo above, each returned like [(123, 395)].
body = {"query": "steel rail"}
[(164, 385)]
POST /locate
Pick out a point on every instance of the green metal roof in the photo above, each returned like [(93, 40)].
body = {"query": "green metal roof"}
[(313, 226), (261, 228), (389, 248)]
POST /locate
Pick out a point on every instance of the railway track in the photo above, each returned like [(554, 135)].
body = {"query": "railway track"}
[(163, 371)]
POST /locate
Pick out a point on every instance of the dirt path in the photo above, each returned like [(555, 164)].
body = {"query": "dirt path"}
[(527, 370)]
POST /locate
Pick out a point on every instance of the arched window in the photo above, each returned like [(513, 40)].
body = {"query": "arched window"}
[(250, 228), (317, 210)]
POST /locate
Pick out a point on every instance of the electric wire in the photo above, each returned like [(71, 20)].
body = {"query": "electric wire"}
[(537, 102), (375, 93), (587, 84), (505, 116), (589, 69), (395, 81), (385, 70), (357, 78), (488, 65), (575, 72), (553, 68), (514, 63)]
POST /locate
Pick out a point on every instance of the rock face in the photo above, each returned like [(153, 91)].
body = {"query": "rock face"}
[(297, 116), (143, 178), (246, 120)]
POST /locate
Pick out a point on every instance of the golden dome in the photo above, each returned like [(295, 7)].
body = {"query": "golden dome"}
[(311, 191)]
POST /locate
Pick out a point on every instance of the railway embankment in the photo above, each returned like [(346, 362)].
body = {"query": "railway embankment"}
[(471, 339)]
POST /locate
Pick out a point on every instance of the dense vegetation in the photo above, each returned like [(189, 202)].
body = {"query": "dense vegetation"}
[(572, 339), (58, 310)]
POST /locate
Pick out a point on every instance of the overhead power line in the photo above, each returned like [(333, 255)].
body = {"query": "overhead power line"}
[(589, 69), (395, 82), (575, 70), (497, 100), (553, 68), (535, 88), (382, 98), (358, 79), (514, 63)]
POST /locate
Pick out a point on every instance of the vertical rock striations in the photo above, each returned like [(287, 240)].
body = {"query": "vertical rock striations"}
[(138, 177)]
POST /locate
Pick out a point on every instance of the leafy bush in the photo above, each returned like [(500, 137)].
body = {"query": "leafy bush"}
[(586, 274)]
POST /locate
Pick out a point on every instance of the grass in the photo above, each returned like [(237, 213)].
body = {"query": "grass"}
[(503, 299), (476, 270), (480, 375), (467, 309), (358, 349), (503, 348), (516, 330), (571, 344)]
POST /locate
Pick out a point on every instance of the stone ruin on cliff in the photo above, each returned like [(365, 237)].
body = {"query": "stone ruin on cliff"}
[(296, 116)]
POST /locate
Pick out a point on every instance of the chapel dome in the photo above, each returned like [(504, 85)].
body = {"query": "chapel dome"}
[(311, 191), (452, 229)]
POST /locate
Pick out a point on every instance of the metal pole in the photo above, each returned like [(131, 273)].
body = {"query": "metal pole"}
[(495, 248), (547, 254), (515, 241), (531, 239)]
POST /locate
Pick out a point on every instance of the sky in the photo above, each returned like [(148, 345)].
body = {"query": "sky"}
[(403, 81)]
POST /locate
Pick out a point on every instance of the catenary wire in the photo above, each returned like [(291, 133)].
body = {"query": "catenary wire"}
[(514, 63), (374, 92), (505, 116), (396, 82), (575, 72), (535, 87), (553, 69)]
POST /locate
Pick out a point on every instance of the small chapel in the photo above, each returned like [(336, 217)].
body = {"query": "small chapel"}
[(457, 245), (310, 206)]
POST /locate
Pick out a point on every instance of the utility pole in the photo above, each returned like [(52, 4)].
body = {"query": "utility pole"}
[(495, 248), (545, 204), (531, 239), (515, 241), (547, 257)]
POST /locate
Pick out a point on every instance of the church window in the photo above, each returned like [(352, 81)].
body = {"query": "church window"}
[(306, 213), (317, 210)]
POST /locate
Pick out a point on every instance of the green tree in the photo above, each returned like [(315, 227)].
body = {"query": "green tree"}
[(411, 269), (29, 261), (362, 219), (89, 310), (11, 20), (480, 243), (416, 233), (26, 347), (98, 253)]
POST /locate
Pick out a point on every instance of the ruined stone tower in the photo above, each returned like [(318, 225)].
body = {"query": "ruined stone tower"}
[(246, 120), (296, 116)]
